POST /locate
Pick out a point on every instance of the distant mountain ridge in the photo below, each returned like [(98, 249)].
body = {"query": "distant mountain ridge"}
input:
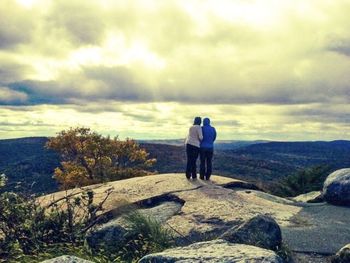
[(303, 153), (219, 144), (27, 161)]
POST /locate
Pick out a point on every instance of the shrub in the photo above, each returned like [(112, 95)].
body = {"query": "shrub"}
[(88, 158), (145, 235), (20, 224), (27, 227), (302, 182), (30, 231)]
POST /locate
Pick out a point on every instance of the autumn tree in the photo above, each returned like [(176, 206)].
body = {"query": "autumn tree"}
[(88, 157)]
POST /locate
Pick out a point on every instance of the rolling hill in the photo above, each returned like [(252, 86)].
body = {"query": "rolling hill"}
[(29, 166), (267, 161)]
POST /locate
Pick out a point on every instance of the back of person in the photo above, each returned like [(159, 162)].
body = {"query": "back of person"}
[(207, 149), (209, 135), (194, 135), (193, 142)]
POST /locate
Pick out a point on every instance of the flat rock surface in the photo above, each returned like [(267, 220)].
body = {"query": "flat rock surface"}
[(66, 259), (162, 212), (307, 197), (322, 228), (214, 251), (208, 208), (311, 258), (140, 188)]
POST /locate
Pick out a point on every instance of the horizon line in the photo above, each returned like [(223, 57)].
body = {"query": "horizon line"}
[(180, 139)]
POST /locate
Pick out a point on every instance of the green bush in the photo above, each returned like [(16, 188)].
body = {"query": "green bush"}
[(31, 232), (302, 182), (29, 228), (145, 235), (21, 225)]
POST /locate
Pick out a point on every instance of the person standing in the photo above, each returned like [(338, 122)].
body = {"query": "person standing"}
[(192, 142), (207, 149)]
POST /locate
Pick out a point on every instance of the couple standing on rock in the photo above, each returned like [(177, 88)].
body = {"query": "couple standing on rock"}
[(200, 141)]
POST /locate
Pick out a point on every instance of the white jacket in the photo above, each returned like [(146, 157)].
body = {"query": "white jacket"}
[(194, 136)]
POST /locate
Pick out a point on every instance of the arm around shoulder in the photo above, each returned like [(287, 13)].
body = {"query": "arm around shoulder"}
[(200, 133)]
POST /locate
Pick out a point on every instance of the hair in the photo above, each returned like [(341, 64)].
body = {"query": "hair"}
[(197, 121), (206, 120)]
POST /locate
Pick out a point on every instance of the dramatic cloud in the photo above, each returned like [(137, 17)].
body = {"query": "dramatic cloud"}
[(16, 26), (284, 64), (10, 96)]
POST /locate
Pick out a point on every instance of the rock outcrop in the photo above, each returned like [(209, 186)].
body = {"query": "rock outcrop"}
[(213, 251), (207, 206), (111, 234), (261, 231), (336, 188), (66, 259), (311, 197), (107, 236), (203, 210), (343, 255)]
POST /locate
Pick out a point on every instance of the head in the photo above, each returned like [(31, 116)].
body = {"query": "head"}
[(197, 121), (206, 121)]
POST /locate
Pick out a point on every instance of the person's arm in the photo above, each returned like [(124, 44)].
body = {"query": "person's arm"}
[(214, 134), (200, 133)]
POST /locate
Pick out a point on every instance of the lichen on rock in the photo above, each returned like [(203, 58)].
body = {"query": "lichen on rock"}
[(66, 259), (336, 188), (214, 251), (262, 231)]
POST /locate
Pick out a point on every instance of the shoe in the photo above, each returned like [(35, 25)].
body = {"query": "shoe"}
[(201, 177), (188, 177)]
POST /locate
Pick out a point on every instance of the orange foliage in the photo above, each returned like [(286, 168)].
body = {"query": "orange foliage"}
[(88, 157)]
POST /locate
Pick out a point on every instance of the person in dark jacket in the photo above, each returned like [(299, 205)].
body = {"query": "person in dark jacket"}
[(207, 149)]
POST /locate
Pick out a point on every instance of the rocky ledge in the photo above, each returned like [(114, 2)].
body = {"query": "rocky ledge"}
[(221, 208), (213, 251)]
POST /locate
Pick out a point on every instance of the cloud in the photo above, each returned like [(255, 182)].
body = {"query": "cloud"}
[(100, 57), (323, 113), (16, 26), (8, 96), (341, 46), (171, 120), (11, 70), (81, 22), (168, 51), (91, 84)]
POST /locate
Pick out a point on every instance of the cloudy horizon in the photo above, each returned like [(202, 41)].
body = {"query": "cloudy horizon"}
[(274, 70)]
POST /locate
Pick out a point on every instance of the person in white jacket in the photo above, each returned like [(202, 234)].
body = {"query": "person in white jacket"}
[(193, 142)]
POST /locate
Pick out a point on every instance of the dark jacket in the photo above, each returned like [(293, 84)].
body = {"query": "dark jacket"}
[(209, 135)]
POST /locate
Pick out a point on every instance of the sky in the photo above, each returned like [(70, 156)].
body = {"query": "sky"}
[(143, 69)]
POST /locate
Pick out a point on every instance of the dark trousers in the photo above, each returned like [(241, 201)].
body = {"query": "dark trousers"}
[(192, 153), (206, 156)]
